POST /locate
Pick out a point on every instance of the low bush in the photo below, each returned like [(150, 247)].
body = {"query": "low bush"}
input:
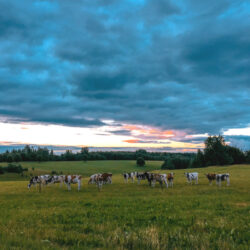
[(140, 162), (1, 170), (12, 168)]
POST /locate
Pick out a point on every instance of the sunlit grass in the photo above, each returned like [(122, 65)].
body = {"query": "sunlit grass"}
[(128, 216)]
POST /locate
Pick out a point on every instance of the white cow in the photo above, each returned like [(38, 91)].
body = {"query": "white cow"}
[(192, 177)]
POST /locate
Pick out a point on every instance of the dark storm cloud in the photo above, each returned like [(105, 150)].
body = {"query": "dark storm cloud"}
[(174, 65)]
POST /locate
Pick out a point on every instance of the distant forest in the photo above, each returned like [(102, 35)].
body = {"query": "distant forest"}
[(216, 152)]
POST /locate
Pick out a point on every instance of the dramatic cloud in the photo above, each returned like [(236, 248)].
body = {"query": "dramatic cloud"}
[(178, 68)]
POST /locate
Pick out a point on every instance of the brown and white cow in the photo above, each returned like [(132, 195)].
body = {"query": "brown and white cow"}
[(153, 178), (107, 178), (92, 178), (101, 179), (170, 178), (211, 177), (73, 179)]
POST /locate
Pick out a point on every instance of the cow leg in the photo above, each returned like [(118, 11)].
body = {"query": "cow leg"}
[(69, 186), (166, 182), (228, 181), (153, 183), (79, 185), (196, 180), (99, 185)]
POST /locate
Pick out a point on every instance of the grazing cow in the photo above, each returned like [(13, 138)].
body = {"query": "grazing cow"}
[(42, 179), (170, 178), (149, 177), (107, 178), (129, 176), (92, 178), (161, 178), (141, 176), (56, 179), (99, 180), (222, 177), (191, 177), (210, 177), (73, 179)]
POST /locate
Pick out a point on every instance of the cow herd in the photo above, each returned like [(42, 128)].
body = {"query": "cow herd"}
[(106, 178)]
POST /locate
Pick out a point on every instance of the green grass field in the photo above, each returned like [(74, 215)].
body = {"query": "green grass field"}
[(85, 168), (125, 216)]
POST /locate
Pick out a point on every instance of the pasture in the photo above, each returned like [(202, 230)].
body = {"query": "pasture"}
[(125, 216)]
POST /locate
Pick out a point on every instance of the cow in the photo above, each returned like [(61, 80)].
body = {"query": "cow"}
[(141, 176), (107, 178), (152, 178), (56, 179), (127, 176), (73, 179), (92, 178), (222, 177), (170, 178), (42, 179), (99, 180), (149, 177), (210, 177), (191, 177)]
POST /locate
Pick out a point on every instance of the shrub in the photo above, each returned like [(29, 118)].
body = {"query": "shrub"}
[(1, 170), (248, 156), (53, 172), (168, 164), (12, 168), (140, 162)]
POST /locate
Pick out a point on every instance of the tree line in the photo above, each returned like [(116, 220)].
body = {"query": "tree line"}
[(29, 153), (216, 152)]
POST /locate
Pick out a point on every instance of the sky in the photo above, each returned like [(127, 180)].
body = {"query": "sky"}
[(160, 75)]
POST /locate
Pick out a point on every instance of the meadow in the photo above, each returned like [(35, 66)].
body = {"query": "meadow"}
[(125, 216)]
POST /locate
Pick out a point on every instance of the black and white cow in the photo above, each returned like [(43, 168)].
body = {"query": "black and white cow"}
[(127, 176), (41, 179), (222, 177), (192, 177), (141, 176), (56, 179)]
